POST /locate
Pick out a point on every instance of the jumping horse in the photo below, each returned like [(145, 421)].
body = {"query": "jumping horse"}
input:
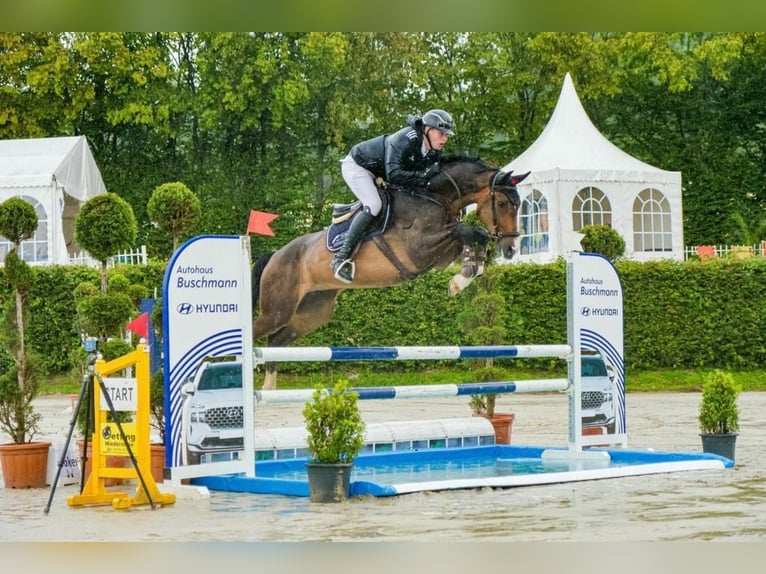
[(294, 288)]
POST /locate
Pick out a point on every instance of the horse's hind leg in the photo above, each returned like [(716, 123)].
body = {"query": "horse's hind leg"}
[(315, 310)]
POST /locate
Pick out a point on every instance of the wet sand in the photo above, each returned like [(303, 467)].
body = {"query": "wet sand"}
[(722, 505)]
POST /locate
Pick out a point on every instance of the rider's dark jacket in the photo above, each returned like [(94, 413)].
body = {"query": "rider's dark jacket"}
[(398, 158)]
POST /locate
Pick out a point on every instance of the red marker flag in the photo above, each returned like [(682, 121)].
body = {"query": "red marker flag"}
[(140, 325), (259, 222)]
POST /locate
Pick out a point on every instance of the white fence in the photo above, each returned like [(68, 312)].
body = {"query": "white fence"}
[(132, 257), (735, 251)]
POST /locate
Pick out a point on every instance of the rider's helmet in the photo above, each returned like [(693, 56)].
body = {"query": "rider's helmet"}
[(440, 120)]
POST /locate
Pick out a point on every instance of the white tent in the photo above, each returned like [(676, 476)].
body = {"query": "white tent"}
[(55, 175), (578, 177)]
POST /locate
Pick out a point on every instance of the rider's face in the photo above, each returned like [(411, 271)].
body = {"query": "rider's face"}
[(436, 139)]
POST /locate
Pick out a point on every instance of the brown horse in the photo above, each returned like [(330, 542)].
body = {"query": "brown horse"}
[(294, 287)]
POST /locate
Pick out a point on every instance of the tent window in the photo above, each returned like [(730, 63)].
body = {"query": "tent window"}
[(591, 207), (651, 222), (34, 249), (533, 224)]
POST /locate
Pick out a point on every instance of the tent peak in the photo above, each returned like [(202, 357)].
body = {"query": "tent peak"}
[(570, 141)]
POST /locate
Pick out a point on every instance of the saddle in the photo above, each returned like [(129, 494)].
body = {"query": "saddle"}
[(343, 214)]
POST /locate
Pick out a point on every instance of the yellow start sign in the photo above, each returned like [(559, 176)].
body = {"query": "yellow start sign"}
[(128, 396), (111, 441)]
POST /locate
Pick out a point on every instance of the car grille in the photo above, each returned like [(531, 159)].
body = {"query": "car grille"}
[(225, 417), (215, 442), (592, 399)]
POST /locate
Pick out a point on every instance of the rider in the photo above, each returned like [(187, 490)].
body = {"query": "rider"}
[(409, 158)]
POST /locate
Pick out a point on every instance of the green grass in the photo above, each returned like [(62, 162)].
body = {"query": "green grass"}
[(666, 380)]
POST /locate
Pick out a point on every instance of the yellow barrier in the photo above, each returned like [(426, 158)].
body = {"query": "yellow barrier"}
[(108, 440)]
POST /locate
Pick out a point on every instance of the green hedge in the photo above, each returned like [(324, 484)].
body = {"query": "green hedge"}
[(677, 314)]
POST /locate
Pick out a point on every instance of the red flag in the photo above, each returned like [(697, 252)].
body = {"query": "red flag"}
[(140, 325), (259, 222)]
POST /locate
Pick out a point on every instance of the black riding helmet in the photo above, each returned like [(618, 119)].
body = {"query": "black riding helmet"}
[(440, 120)]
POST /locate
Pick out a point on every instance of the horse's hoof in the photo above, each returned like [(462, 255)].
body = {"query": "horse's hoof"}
[(458, 283)]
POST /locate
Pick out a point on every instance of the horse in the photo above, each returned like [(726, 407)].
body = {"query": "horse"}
[(294, 289)]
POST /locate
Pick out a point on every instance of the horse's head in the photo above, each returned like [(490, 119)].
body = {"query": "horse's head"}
[(498, 209), (471, 180)]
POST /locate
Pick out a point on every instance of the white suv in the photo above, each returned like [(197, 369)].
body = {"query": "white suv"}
[(598, 392), (213, 417)]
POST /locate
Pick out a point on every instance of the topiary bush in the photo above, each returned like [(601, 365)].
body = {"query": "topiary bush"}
[(603, 240), (719, 413), (334, 424)]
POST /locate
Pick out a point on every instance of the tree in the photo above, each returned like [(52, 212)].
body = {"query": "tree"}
[(19, 383), (104, 226), (175, 209)]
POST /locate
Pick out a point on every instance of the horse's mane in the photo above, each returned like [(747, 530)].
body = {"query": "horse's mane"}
[(452, 159)]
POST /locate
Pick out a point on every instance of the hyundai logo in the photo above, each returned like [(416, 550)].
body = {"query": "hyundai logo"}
[(585, 311), (184, 308)]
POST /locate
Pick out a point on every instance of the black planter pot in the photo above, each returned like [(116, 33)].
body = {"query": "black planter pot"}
[(328, 482), (721, 444)]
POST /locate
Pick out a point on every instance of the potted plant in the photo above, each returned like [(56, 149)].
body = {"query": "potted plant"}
[(335, 436), (24, 462), (719, 414), (483, 405)]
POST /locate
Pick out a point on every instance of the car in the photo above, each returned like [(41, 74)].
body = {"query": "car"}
[(213, 416), (598, 392)]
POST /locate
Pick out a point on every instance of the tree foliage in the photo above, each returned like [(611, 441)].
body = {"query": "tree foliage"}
[(175, 209), (334, 424), (18, 220), (603, 240), (259, 120), (104, 226), (719, 413)]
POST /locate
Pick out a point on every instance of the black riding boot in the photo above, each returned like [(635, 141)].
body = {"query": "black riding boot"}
[(342, 264)]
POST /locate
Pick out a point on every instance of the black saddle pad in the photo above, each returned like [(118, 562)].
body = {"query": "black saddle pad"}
[(336, 233)]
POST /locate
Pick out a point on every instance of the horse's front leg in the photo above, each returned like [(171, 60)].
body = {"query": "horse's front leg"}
[(473, 257)]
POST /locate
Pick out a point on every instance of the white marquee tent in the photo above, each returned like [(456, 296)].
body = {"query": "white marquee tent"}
[(55, 175), (578, 177)]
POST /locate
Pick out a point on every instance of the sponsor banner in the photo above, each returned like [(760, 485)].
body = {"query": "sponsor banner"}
[(207, 312), (597, 321), (70, 464), (111, 442)]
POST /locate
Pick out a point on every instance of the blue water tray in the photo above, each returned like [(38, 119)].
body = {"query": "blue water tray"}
[(436, 469)]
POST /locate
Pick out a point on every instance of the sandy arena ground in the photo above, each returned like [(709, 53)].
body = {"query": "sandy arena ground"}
[(726, 505)]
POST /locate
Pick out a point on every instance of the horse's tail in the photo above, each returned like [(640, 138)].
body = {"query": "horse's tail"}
[(258, 268)]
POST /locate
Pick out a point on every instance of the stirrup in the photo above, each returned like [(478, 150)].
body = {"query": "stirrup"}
[(345, 270)]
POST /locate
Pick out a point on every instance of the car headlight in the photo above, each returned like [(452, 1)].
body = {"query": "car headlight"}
[(197, 416)]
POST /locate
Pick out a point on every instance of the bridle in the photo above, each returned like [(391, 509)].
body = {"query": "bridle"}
[(497, 235)]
